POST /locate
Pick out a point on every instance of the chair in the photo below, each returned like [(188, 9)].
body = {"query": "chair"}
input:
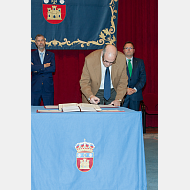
[(149, 106)]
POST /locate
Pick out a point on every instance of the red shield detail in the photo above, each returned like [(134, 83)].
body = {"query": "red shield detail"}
[(84, 162), (54, 14), (84, 156)]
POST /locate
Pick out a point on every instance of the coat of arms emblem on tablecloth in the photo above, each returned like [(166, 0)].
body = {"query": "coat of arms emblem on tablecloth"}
[(84, 156)]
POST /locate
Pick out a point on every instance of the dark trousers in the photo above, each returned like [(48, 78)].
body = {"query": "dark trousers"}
[(128, 102), (100, 95), (48, 98)]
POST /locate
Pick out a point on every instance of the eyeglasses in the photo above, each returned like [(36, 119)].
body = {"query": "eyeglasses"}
[(107, 61), (128, 48)]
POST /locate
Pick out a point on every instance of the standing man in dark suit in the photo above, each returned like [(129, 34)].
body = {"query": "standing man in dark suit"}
[(136, 78), (42, 66)]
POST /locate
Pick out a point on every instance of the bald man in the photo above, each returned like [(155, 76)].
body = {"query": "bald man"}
[(93, 79)]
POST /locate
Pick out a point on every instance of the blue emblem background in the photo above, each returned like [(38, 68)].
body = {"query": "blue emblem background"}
[(89, 24)]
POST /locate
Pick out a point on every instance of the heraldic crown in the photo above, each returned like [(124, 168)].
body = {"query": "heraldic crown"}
[(84, 147)]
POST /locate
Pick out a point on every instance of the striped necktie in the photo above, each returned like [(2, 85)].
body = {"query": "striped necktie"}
[(41, 57)]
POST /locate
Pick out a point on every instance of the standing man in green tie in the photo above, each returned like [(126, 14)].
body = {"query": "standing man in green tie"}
[(136, 77)]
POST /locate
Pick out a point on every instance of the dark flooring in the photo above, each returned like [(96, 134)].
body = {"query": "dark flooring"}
[(152, 130), (151, 157)]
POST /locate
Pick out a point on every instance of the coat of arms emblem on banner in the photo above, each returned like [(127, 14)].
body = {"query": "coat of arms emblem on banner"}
[(54, 11), (84, 156)]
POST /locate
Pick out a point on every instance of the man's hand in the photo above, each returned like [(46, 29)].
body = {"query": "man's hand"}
[(130, 91), (33, 64), (47, 65), (115, 103), (94, 99)]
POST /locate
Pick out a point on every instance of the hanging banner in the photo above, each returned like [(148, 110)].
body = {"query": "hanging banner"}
[(74, 24)]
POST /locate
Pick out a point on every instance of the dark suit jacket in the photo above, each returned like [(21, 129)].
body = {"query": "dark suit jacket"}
[(137, 79), (42, 76)]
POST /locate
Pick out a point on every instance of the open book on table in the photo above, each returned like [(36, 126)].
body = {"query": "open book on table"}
[(107, 106), (83, 107), (49, 111)]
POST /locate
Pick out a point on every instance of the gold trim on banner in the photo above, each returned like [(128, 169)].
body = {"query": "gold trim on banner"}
[(106, 35)]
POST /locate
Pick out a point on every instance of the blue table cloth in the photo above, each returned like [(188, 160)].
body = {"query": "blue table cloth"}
[(87, 150)]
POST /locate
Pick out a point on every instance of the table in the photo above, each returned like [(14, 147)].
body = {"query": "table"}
[(114, 156)]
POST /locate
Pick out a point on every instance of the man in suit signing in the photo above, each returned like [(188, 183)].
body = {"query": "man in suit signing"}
[(136, 78), (42, 66), (104, 78)]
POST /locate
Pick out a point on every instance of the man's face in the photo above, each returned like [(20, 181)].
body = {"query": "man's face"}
[(40, 43), (108, 59), (128, 50)]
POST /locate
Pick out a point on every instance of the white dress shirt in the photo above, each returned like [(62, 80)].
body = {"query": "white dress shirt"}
[(131, 61), (42, 52), (103, 70)]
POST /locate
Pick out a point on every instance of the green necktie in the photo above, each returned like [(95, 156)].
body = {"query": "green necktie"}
[(130, 67)]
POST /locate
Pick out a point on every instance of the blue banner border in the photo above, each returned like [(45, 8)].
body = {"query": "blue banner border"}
[(106, 36)]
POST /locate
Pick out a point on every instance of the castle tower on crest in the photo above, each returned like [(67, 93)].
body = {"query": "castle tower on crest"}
[(84, 164), (54, 13)]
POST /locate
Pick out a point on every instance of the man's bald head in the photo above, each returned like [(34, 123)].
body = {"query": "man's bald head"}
[(109, 54), (110, 50)]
